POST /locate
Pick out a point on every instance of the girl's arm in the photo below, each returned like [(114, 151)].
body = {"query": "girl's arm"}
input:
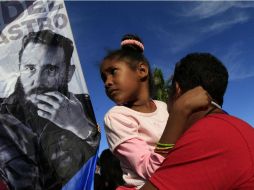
[(122, 131), (182, 108), (137, 155)]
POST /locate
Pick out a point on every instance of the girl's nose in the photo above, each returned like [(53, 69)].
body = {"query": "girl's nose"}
[(108, 82)]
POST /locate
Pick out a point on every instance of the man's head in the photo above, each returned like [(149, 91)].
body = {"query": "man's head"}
[(200, 69), (45, 59)]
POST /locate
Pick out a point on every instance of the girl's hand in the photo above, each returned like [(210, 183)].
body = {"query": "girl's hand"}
[(196, 99)]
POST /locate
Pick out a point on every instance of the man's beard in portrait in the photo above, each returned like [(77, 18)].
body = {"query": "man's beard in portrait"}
[(32, 118)]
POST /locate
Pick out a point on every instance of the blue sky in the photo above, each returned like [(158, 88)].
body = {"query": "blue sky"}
[(169, 30)]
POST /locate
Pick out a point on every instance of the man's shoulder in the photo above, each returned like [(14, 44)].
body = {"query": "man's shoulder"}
[(220, 129), (221, 121)]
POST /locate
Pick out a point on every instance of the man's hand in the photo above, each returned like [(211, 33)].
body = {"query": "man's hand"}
[(65, 113)]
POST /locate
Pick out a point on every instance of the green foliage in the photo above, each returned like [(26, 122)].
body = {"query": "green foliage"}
[(161, 88)]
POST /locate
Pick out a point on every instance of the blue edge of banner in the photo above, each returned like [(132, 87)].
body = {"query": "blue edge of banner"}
[(83, 180)]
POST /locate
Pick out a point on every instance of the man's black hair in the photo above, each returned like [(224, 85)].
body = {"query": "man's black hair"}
[(202, 69), (50, 38)]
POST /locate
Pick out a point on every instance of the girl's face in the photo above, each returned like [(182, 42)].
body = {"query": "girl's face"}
[(122, 84)]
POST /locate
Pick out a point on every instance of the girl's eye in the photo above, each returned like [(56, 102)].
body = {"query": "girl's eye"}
[(113, 71)]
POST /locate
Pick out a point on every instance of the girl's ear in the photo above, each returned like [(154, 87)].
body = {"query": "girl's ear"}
[(142, 70), (178, 90)]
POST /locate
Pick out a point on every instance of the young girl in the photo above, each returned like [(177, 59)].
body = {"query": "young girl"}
[(134, 127)]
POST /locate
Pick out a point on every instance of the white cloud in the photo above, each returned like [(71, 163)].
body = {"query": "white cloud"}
[(220, 25), (176, 41), (195, 31), (209, 9), (236, 62)]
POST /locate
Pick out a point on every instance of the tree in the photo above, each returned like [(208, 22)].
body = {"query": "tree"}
[(161, 87)]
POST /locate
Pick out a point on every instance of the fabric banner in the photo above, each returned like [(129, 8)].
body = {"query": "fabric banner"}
[(48, 133)]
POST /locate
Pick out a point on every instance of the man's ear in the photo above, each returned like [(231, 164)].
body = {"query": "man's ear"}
[(142, 70), (70, 72)]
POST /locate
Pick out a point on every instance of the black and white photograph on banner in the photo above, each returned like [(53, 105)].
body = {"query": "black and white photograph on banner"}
[(49, 135)]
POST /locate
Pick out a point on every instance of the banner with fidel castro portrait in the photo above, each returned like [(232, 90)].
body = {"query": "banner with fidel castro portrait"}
[(49, 137)]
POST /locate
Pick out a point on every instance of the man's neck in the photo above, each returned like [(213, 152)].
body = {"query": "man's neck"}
[(201, 114)]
